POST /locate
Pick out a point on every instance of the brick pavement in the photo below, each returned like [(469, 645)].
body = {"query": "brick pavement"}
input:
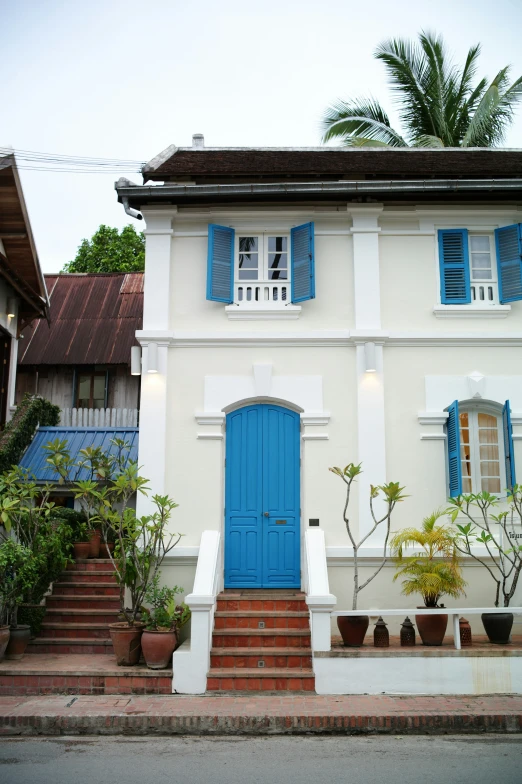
[(257, 714)]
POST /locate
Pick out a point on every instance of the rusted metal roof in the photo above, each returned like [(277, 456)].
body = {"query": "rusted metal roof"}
[(93, 321)]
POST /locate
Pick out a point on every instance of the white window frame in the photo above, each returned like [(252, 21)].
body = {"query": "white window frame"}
[(473, 410), (477, 283), (262, 298)]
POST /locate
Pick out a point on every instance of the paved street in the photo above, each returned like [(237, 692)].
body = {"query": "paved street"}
[(264, 760)]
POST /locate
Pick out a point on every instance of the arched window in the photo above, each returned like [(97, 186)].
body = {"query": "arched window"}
[(482, 448)]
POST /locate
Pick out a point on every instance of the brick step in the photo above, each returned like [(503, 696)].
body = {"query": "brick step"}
[(90, 565), (261, 638), (67, 601), (86, 576), (69, 645), (140, 682), (91, 588), (86, 631), (81, 615), (260, 604), (237, 658), (272, 679), (251, 619)]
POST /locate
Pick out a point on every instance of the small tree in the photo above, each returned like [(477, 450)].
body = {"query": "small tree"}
[(494, 532), (110, 251), (392, 495)]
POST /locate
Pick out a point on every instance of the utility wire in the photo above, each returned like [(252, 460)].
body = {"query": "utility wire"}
[(41, 161)]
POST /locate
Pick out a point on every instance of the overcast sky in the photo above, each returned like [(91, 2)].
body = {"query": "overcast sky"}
[(126, 78)]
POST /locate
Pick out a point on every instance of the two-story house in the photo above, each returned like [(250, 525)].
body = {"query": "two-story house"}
[(23, 294), (305, 308)]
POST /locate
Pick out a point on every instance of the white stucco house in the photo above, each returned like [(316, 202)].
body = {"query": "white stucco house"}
[(307, 308)]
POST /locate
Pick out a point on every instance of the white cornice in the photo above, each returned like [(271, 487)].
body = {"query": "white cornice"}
[(471, 311)]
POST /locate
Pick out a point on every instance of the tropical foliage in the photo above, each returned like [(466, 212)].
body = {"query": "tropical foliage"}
[(164, 614), (434, 571), (439, 103), (110, 251), (391, 494), (31, 412), (498, 534)]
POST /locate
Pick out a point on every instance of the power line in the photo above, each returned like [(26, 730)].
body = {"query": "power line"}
[(41, 161)]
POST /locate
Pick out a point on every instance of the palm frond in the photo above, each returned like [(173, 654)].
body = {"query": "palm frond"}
[(428, 141), (494, 112), (360, 119)]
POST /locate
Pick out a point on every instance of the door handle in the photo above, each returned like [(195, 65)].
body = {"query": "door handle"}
[(267, 514)]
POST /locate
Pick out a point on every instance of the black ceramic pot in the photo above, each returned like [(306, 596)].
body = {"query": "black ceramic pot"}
[(498, 627)]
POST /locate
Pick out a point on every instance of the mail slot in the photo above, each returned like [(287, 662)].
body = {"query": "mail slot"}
[(280, 522)]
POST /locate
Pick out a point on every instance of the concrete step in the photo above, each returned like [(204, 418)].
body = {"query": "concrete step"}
[(261, 638), (259, 658), (271, 679)]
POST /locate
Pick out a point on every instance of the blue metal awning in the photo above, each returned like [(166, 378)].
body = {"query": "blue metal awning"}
[(77, 438)]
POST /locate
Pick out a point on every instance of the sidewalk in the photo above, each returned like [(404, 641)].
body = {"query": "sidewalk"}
[(257, 715)]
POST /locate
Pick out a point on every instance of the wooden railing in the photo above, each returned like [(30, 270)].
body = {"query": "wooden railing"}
[(99, 417)]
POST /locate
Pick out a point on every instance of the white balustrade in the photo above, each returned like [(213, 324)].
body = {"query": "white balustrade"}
[(252, 293), (99, 417)]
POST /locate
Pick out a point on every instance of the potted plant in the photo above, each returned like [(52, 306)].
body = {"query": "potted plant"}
[(18, 574), (432, 572), (353, 627), (81, 541), (163, 620), (498, 535), (107, 543)]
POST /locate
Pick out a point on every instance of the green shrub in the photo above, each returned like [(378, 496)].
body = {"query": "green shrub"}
[(32, 616), (19, 432)]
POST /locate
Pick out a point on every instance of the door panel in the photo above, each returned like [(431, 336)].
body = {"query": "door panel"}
[(262, 538)]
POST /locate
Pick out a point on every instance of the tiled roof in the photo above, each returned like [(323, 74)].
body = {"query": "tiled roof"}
[(77, 438), (93, 321)]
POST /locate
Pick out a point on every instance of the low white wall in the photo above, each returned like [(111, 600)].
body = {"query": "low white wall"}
[(419, 675)]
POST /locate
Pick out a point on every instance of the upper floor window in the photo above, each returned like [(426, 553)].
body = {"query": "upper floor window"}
[(480, 448), (261, 273), (480, 268), (91, 390)]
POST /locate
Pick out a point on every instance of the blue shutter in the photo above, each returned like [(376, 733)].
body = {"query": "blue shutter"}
[(453, 437), (509, 262), (508, 446), (302, 262), (220, 269), (454, 267)]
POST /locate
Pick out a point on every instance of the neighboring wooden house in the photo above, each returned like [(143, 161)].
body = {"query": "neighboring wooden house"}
[(23, 295), (81, 360)]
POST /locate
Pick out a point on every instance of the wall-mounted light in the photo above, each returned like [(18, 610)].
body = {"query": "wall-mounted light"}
[(11, 307), (135, 361), (369, 358), (152, 358)]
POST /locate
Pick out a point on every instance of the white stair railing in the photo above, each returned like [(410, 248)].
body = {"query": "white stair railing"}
[(318, 598)]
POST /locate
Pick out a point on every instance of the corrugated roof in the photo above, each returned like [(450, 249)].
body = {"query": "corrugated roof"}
[(93, 320), (220, 164), (77, 438)]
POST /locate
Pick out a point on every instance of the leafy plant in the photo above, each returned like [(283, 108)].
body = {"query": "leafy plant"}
[(18, 575), (164, 614), (435, 570), (392, 495), (18, 433), (440, 105), (496, 533), (110, 251)]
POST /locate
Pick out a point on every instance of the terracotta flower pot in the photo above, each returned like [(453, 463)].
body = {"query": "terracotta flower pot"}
[(432, 628), (353, 629), (498, 627), (94, 543), (18, 641), (4, 639), (105, 548), (126, 641), (81, 550), (158, 647)]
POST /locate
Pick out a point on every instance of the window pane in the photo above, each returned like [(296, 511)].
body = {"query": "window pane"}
[(277, 260), (84, 391), (247, 274), (488, 436), (99, 392), (248, 260), (488, 452), (281, 274), (490, 485), (478, 242), (466, 484), (487, 420), (247, 244), (277, 244), (464, 420)]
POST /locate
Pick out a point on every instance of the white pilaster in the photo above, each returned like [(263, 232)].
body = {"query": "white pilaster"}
[(158, 239), (365, 231)]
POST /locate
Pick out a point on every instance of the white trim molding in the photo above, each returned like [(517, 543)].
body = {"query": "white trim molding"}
[(472, 311), (435, 420), (253, 312)]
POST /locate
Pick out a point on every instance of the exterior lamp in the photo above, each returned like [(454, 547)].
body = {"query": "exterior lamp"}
[(152, 358), (11, 307), (135, 361), (369, 358)]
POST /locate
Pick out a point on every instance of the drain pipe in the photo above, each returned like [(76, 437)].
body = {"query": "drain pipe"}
[(130, 211)]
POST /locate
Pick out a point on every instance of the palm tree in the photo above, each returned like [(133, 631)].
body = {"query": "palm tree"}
[(439, 104)]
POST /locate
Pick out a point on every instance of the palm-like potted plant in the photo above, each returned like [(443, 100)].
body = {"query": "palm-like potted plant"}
[(498, 535), (354, 627), (433, 571), (163, 621)]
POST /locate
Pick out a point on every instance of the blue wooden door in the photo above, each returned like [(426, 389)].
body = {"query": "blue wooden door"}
[(262, 498)]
